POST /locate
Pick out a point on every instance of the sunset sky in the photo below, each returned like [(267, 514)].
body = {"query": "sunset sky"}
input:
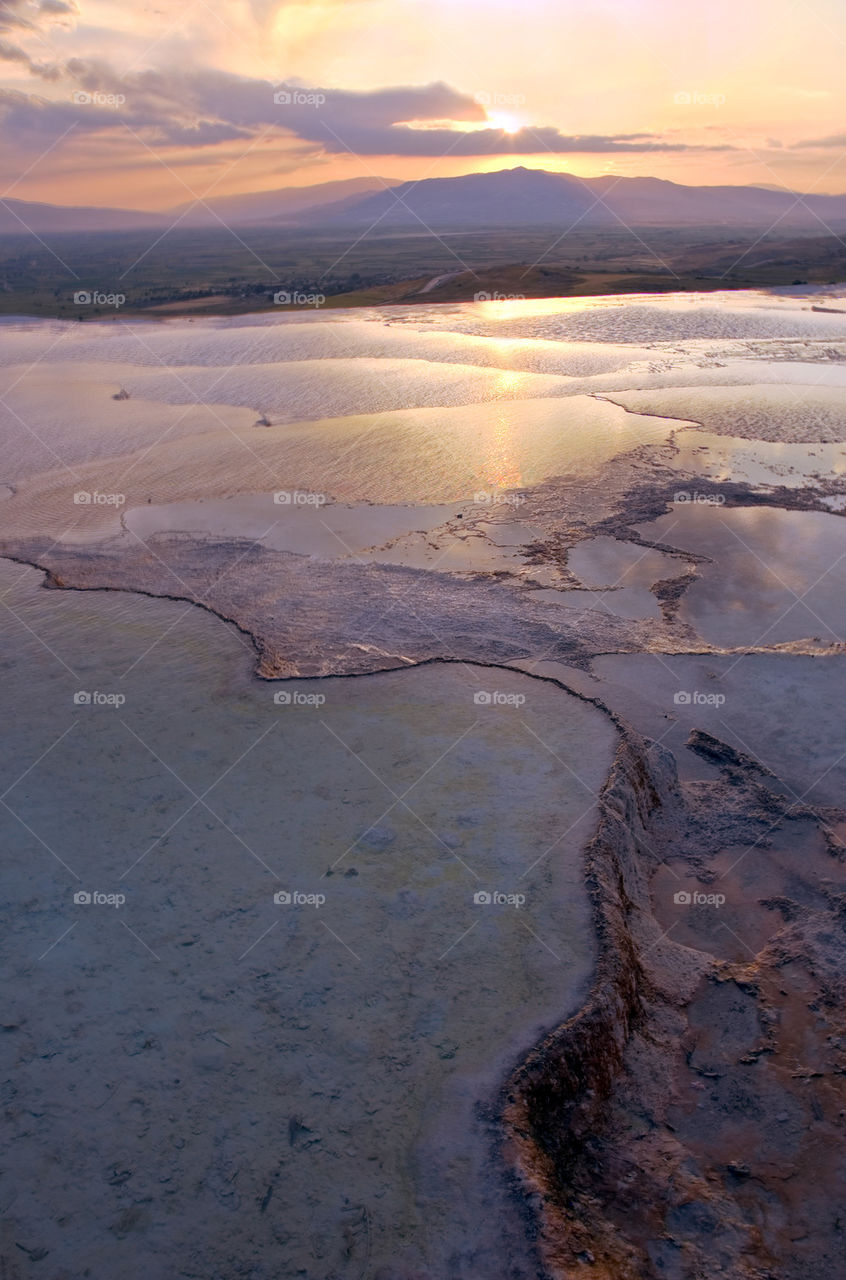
[(183, 95)]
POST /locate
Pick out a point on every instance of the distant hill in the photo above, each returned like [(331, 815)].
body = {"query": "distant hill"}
[(284, 205), (20, 217), (510, 198), (533, 197)]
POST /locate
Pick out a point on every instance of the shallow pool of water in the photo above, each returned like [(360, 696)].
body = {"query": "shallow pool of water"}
[(775, 575), (214, 1082)]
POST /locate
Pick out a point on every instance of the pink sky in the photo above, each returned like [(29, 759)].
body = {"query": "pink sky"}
[(117, 104)]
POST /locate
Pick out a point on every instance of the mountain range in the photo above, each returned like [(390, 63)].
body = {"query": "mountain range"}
[(509, 198), (533, 197)]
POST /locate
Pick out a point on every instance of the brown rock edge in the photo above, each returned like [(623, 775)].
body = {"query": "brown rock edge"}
[(626, 1185), (687, 1122)]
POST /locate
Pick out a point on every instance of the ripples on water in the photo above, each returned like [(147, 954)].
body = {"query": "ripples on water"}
[(430, 403)]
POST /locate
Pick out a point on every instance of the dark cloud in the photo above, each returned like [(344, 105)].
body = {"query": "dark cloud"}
[(12, 53), (832, 140), (203, 107), (23, 16), (33, 122), (27, 16), (401, 140), (207, 106)]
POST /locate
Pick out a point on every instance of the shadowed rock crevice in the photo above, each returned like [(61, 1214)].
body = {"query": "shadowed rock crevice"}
[(631, 1178)]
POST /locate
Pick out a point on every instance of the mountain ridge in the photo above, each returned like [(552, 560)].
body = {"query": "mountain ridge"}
[(516, 197)]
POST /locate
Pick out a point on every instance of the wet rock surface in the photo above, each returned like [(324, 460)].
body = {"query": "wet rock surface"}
[(676, 1124), (685, 1119), (680, 1123)]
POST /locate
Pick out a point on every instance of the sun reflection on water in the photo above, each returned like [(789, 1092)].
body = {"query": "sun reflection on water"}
[(502, 469)]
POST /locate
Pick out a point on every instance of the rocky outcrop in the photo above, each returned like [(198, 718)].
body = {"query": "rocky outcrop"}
[(638, 1127), (560, 1094)]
